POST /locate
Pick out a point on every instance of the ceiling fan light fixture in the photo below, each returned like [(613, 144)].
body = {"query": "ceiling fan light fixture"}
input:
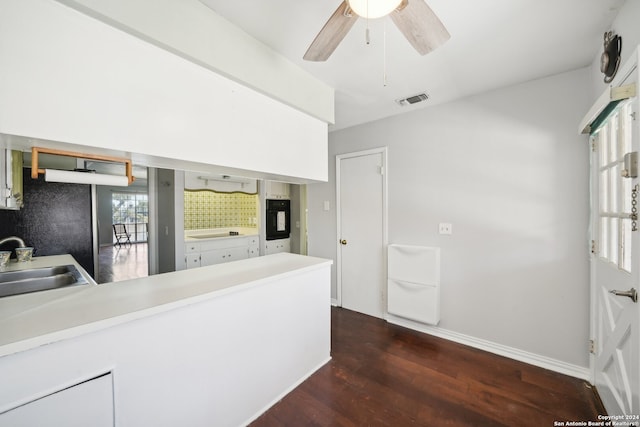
[(373, 9)]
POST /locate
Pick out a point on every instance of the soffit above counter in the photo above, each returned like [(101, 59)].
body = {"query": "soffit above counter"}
[(81, 85), (193, 31), (141, 160)]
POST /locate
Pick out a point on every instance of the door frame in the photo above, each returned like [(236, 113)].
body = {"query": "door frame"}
[(385, 213)]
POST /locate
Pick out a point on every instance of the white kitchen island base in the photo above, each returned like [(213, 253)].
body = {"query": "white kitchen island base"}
[(220, 358)]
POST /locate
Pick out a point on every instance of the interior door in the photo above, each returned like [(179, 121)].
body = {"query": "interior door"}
[(615, 264), (361, 232)]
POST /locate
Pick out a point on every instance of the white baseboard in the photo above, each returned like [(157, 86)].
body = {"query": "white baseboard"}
[(492, 347), (334, 302)]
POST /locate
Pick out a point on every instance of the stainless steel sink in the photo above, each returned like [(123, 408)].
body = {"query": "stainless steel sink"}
[(39, 279)]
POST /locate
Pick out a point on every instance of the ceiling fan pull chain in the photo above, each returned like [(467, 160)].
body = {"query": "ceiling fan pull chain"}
[(384, 54), (367, 38)]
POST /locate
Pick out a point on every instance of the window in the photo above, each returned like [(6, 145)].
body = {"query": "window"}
[(613, 141), (132, 210)]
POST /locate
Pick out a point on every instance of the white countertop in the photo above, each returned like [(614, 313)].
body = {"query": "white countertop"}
[(32, 320), (191, 236)]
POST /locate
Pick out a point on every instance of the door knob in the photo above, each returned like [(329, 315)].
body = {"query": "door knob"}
[(343, 242), (631, 293)]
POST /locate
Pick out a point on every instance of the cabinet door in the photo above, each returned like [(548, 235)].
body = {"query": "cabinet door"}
[(216, 256), (277, 190), (270, 247), (219, 256), (11, 179), (277, 246), (254, 251), (89, 403), (235, 254), (193, 260)]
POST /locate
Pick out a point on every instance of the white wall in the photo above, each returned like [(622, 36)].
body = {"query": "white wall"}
[(509, 171), (194, 31)]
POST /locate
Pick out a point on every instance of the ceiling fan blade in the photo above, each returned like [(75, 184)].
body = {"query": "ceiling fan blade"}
[(331, 34), (420, 26)]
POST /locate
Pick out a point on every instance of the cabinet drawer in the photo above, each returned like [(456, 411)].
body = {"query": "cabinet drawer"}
[(416, 264), (414, 301), (190, 248), (224, 243), (220, 256)]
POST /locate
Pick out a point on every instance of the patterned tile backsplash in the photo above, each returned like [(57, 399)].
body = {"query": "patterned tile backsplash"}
[(204, 209)]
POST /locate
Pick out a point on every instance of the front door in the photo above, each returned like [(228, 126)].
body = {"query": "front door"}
[(361, 232), (615, 264)]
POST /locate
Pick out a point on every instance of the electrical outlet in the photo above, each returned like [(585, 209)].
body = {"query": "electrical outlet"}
[(445, 228)]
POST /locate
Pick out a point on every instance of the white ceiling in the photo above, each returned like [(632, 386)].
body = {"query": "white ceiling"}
[(494, 43)]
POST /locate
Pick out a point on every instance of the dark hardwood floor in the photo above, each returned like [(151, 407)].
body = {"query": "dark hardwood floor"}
[(123, 262), (385, 375)]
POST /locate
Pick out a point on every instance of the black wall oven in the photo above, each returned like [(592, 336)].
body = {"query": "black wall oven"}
[(278, 219)]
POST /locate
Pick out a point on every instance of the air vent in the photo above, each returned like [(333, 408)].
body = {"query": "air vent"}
[(413, 99)]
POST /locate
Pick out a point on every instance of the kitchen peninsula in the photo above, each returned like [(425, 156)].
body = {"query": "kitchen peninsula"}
[(215, 345)]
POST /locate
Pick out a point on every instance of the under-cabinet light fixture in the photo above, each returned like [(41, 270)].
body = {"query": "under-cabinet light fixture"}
[(224, 178)]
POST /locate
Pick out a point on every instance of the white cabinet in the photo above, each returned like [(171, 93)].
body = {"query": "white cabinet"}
[(254, 246), (10, 179), (220, 183), (276, 190), (414, 283), (193, 260), (192, 255), (89, 403), (217, 251), (218, 256), (276, 246), (191, 248)]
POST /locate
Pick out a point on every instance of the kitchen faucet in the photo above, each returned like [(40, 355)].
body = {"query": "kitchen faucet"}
[(17, 239)]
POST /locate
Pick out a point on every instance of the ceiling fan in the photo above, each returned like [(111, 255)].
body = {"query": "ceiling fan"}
[(414, 18)]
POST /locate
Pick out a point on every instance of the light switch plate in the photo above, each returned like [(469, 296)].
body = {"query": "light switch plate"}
[(445, 228), (326, 205)]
